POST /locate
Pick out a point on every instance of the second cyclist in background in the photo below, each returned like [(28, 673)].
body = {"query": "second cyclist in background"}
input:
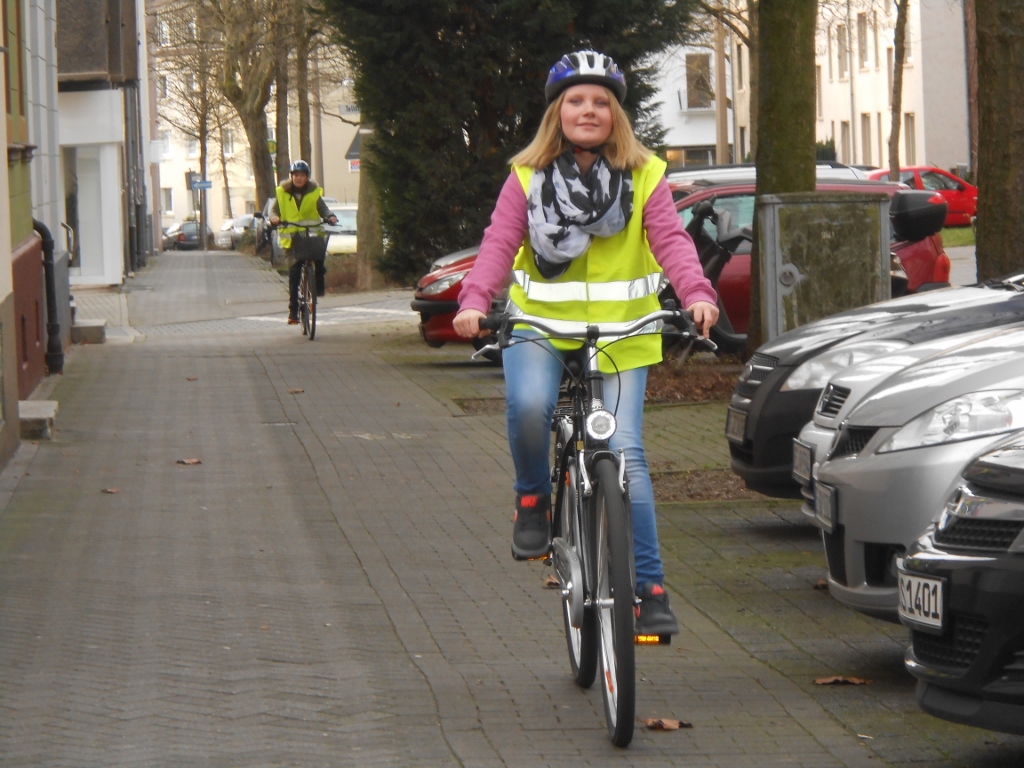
[(586, 224), (299, 198)]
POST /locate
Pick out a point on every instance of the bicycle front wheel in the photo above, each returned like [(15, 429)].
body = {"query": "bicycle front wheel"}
[(309, 299), (614, 595)]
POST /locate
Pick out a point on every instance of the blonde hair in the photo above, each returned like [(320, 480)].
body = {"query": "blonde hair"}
[(622, 150)]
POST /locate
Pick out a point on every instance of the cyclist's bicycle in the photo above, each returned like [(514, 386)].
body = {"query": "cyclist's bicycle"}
[(309, 245), (592, 545)]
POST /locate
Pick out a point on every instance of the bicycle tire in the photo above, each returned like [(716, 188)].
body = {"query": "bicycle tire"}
[(582, 642), (614, 593), (309, 299)]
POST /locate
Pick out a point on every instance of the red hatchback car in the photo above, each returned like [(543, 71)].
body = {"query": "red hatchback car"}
[(960, 195), (924, 261)]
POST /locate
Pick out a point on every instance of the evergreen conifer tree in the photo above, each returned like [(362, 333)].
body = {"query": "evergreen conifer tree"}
[(453, 90)]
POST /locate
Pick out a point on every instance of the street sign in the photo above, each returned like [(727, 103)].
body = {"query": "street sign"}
[(202, 184)]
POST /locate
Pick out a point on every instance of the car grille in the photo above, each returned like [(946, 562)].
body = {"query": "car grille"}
[(832, 400), (979, 533), (759, 368), (835, 554), (954, 650), (852, 441)]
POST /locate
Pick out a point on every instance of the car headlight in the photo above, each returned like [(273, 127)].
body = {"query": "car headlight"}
[(442, 285), (815, 373), (962, 418)]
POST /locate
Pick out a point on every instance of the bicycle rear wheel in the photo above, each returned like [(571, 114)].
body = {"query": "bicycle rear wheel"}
[(581, 630), (309, 299), (614, 594)]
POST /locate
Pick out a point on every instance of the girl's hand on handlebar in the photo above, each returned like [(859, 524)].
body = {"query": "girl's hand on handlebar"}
[(275, 220), (705, 315), (467, 323)]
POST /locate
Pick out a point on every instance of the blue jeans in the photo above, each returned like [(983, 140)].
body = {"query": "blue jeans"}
[(533, 371)]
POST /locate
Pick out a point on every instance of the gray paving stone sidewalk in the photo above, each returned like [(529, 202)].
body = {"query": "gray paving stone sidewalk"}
[(331, 583)]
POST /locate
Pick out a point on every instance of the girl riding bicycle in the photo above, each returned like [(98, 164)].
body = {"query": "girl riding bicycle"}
[(587, 224)]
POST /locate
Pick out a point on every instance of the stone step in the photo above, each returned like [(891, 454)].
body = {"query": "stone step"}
[(37, 418), (89, 332)]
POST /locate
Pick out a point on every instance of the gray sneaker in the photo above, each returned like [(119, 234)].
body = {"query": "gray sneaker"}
[(531, 534), (653, 616)]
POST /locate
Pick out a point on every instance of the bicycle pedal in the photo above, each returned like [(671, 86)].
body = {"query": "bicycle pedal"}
[(652, 639)]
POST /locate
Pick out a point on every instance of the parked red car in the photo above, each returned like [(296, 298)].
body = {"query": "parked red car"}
[(924, 261), (960, 195)]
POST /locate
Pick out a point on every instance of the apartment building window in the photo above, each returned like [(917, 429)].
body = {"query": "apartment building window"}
[(865, 138), (739, 68), (862, 40), (910, 138), (874, 32), (890, 62), (699, 94), (228, 141), (192, 146), (699, 156), (817, 91), (165, 143), (844, 142), (828, 37), (163, 33), (881, 143), (161, 87), (167, 200), (842, 59), (743, 144)]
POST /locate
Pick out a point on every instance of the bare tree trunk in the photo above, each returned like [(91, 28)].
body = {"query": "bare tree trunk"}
[(224, 174), (754, 74), (899, 55), (302, 91), (971, 53), (785, 118), (1001, 145), (282, 156), (369, 240)]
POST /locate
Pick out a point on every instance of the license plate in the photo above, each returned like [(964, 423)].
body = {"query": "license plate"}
[(735, 425), (825, 503), (802, 454), (921, 600)]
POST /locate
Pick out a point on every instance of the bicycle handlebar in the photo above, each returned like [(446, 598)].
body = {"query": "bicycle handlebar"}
[(679, 318)]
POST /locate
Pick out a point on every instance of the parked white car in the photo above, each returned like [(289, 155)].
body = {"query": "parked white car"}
[(342, 238)]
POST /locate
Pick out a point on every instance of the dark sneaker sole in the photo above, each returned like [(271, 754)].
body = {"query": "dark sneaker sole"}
[(534, 554)]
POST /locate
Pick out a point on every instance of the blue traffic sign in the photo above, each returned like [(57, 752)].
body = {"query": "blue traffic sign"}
[(202, 184)]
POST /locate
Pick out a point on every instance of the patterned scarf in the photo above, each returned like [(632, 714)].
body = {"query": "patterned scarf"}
[(566, 210)]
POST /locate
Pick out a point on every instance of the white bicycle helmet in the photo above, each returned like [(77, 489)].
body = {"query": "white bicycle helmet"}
[(585, 67)]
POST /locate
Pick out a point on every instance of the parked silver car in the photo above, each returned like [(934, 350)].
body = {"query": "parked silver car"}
[(884, 466)]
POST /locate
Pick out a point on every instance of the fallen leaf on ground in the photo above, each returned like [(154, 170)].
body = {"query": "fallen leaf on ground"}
[(111, 490), (190, 462), (191, 378), (666, 724), (551, 582), (295, 391), (841, 680), (821, 584)]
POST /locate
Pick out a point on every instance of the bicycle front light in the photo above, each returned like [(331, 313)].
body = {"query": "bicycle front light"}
[(601, 425)]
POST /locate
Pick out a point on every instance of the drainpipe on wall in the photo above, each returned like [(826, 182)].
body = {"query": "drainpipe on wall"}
[(54, 350)]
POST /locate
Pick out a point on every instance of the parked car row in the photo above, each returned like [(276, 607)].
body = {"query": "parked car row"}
[(912, 465), (920, 262), (232, 231), (183, 236), (341, 238)]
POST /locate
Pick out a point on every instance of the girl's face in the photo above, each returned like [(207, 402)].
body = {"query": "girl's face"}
[(586, 115)]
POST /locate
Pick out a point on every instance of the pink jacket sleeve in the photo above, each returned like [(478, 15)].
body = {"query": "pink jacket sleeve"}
[(502, 241), (674, 249)]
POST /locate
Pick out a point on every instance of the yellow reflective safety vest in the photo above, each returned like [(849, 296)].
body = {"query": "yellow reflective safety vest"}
[(290, 211), (615, 281)]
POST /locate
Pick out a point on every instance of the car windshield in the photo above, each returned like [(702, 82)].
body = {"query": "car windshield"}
[(741, 207), (346, 218)]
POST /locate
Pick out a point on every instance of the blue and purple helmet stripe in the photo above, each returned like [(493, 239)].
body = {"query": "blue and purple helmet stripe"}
[(585, 67)]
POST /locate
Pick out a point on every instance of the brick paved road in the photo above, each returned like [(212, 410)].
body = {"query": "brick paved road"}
[(331, 585)]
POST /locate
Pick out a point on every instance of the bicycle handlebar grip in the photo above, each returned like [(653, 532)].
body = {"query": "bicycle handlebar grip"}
[(491, 322)]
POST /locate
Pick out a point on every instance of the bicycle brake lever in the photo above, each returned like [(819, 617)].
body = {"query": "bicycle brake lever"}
[(484, 349)]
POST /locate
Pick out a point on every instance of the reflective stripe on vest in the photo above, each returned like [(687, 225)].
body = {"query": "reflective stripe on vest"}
[(616, 290), (577, 328)]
